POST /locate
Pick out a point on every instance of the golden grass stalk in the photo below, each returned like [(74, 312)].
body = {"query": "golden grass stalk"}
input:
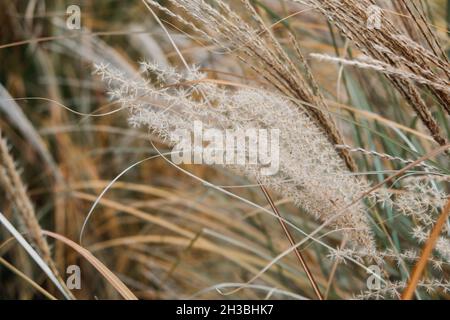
[(397, 49), (426, 253), (15, 190)]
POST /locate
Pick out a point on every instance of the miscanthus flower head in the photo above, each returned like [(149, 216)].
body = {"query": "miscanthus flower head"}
[(311, 172)]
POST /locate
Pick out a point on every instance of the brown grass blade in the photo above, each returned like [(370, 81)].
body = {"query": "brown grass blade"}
[(292, 242), (429, 246), (97, 264)]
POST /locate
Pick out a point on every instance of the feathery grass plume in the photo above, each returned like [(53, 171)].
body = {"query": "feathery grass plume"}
[(254, 43), (310, 171), (397, 49), (421, 201), (15, 190), (424, 202), (364, 62), (393, 289), (442, 245)]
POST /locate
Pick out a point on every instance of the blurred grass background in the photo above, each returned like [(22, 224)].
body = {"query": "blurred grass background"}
[(164, 234)]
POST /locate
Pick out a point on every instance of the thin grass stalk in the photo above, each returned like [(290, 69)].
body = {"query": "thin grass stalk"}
[(288, 234)]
